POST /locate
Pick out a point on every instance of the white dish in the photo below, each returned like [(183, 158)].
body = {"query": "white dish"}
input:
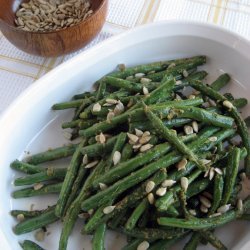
[(30, 125)]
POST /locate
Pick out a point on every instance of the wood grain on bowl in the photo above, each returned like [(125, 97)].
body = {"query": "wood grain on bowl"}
[(53, 43)]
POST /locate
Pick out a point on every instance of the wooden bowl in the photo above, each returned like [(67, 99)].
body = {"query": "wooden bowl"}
[(53, 43)]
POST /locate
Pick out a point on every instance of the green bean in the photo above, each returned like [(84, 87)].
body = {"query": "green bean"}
[(30, 245), (25, 167), (220, 82), (183, 202), (229, 96), (30, 213), (82, 172), (71, 124), (99, 237), (49, 174), (127, 201), (101, 90), (99, 149), (242, 127), (52, 154), (135, 216), (178, 70), (127, 167), (240, 102), (133, 245), (217, 193), (170, 136), (83, 95), (212, 239), (198, 224), (172, 211), (146, 125), (67, 105), (85, 103), (30, 192), (163, 92), (140, 175), (36, 222), (123, 84), (69, 180), (195, 113), (231, 174), (157, 66), (75, 207), (193, 242), (152, 233), (166, 244), (127, 152)]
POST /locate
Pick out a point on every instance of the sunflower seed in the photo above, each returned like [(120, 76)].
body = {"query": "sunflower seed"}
[(185, 73), (146, 147), (108, 209), (205, 161), (203, 209), (224, 208), (119, 108), (145, 80), (208, 195), (211, 173), (83, 216), (91, 211), (110, 116), (144, 139), (133, 137), (179, 82), (151, 198), (138, 132), (121, 66), (205, 201), (146, 133), (214, 215), (143, 245), (97, 107), (161, 191), (130, 103), (136, 146), (149, 186), (192, 212), (129, 78), (40, 235), (218, 171), (103, 186), (195, 126), (168, 183), (184, 183), (188, 130), (182, 164), (177, 97), (171, 65), (213, 139), (38, 186), (111, 101), (206, 173), (145, 91), (240, 204), (116, 157), (102, 138), (91, 164), (139, 75), (228, 104), (192, 97), (20, 217), (85, 159), (67, 135)]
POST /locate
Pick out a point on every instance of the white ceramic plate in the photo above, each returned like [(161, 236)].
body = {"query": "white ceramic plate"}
[(30, 125)]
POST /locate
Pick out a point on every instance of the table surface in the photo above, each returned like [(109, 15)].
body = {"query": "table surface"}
[(19, 70)]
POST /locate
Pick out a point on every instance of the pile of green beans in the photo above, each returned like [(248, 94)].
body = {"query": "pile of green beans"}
[(151, 162)]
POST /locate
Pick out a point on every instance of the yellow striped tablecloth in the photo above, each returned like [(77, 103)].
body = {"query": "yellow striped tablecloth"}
[(19, 70)]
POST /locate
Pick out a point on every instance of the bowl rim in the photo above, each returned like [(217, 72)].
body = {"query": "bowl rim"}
[(95, 13), (43, 82)]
